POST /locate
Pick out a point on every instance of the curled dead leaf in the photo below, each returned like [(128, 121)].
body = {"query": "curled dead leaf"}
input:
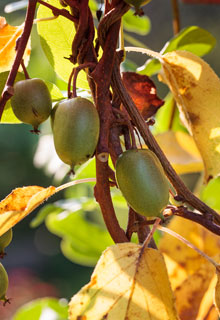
[(19, 203), (143, 92)]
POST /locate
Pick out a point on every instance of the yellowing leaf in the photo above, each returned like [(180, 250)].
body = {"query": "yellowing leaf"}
[(19, 203), (8, 37), (186, 257), (206, 310), (190, 293), (181, 158), (177, 273), (129, 282), (196, 88), (217, 291)]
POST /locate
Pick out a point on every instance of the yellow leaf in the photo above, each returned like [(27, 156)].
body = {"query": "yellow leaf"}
[(207, 309), (8, 37), (196, 88), (217, 292), (182, 159), (19, 203), (177, 273), (190, 293), (129, 282), (186, 257)]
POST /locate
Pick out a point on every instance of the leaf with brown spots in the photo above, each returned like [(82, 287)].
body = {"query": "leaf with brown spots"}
[(19, 203), (129, 282), (190, 293), (186, 257), (196, 89), (143, 92), (8, 37)]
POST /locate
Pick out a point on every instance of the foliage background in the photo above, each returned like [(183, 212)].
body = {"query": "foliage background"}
[(36, 252)]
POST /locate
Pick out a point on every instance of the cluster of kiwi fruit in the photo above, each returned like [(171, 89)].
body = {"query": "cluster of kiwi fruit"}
[(74, 122), (75, 127)]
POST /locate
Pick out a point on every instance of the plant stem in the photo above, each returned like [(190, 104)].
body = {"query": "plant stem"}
[(8, 89), (176, 17)]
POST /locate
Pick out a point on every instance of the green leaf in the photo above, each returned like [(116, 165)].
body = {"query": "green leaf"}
[(42, 214), (165, 115), (43, 309), (55, 92), (194, 39), (56, 40), (87, 239), (8, 114), (134, 23), (210, 193)]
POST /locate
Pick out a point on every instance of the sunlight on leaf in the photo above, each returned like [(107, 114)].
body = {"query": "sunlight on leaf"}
[(183, 160), (196, 89), (217, 291), (22, 201), (124, 285), (19, 203), (8, 37)]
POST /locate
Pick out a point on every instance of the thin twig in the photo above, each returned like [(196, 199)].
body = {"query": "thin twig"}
[(189, 244)]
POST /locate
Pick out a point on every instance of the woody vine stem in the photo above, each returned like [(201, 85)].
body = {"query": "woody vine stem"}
[(102, 73)]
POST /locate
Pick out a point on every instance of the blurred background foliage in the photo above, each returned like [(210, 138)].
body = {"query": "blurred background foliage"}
[(58, 263)]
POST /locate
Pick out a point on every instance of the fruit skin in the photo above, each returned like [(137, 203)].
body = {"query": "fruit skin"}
[(31, 101), (5, 240), (3, 282), (75, 125), (137, 3), (142, 181)]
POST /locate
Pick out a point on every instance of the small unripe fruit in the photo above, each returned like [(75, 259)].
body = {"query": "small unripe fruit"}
[(5, 240), (75, 125), (31, 101), (3, 282), (142, 181)]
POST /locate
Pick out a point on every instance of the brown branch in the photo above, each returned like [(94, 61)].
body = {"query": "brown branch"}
[(176, 17), (8, 89), (149, 139), (103, 197), (206, 222)]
